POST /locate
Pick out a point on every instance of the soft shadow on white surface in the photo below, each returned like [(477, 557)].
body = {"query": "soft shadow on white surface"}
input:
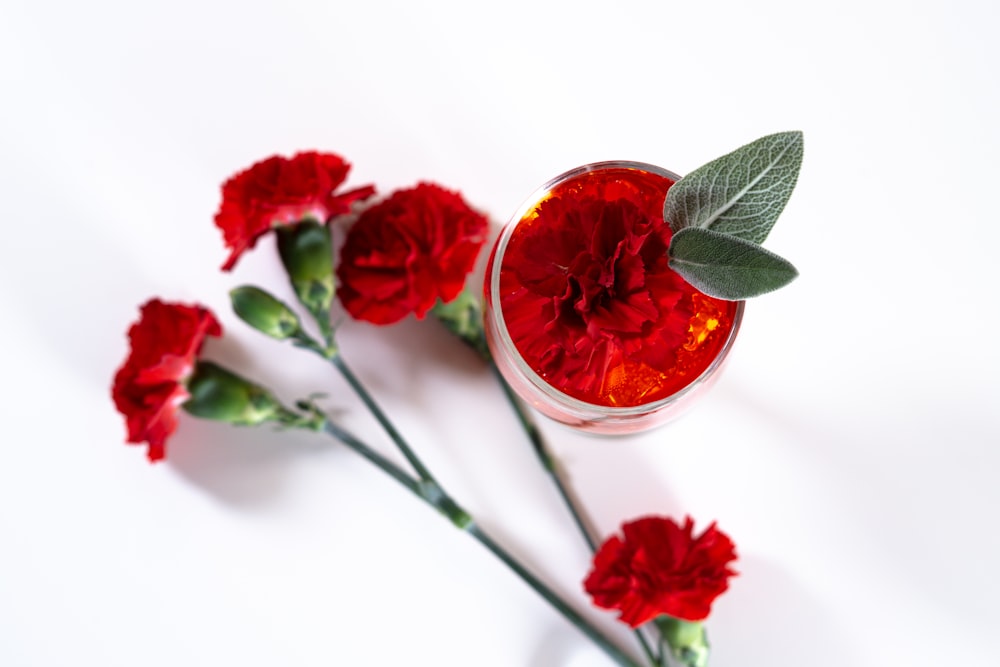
[(556, 649), (75, 329), (562, 648), (413, 346), (882, 468), (768, 616), (613, 479), (245, 467), (873, 532)]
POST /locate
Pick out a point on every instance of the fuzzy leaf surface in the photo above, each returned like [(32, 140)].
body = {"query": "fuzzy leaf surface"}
[(740, 194), (727, 267)]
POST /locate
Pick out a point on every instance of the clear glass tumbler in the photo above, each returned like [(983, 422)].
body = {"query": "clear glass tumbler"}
[(584, 317)]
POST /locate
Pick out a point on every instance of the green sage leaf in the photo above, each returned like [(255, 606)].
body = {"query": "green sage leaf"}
[(725, 266), (740, 194)]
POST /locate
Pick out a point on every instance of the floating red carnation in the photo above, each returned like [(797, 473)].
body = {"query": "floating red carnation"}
[(592, 288), (408, 251), (659, 567), (149, 387), (281, 191)]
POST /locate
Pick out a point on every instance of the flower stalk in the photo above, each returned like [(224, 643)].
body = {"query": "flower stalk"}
[(427, 488), (551, 466), (264, 313), (463, 317), (431, 493), (338, 362), (546, 458)]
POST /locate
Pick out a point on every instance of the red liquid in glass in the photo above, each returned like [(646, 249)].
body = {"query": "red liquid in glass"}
[(589, 302)]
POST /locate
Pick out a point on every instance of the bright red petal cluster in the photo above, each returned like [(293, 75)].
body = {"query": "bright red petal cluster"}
[(408, 251), (659, 567), (149, 387), (281, 191), (596, 289)]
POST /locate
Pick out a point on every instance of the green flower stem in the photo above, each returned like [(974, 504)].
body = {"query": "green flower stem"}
[(332, 354), (572, 616), (657, 659), (338, 362), (322, 318), (306, 342), (551, 467), (384, 464), (654, 659), (428, 490), (548, 461), (432, 494)]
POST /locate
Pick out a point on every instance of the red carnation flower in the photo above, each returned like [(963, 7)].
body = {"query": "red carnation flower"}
[(596, 279), (408, 251), (149, 387), (282, 191), (660, 568)]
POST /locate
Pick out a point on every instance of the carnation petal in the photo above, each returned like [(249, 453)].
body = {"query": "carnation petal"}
[(148, 388), (667, 570), (282, 191), (407, 252)]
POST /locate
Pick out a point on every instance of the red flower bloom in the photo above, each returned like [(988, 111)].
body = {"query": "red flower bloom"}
[(595, 288), (282, 191), (149, 387), (407, 252), (660, 568)]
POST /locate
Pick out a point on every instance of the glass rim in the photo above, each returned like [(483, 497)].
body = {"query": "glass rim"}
[(592, 411)]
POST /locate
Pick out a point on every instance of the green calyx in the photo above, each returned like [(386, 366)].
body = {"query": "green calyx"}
[(463, 316), (687, 640), (721, 212), (307, 254), (264, 312), (218, 394)]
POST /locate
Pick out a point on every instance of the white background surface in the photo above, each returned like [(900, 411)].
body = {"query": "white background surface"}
[(850, 449)]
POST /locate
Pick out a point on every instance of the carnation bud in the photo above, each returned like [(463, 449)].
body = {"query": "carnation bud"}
[(264, 312), (220, 395), (307, 253), (463, 316), (688, 640)]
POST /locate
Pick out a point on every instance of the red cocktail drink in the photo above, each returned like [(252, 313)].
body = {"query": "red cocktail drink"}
[(584, 316)]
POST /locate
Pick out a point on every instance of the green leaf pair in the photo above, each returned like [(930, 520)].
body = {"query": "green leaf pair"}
[(721, 212)]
